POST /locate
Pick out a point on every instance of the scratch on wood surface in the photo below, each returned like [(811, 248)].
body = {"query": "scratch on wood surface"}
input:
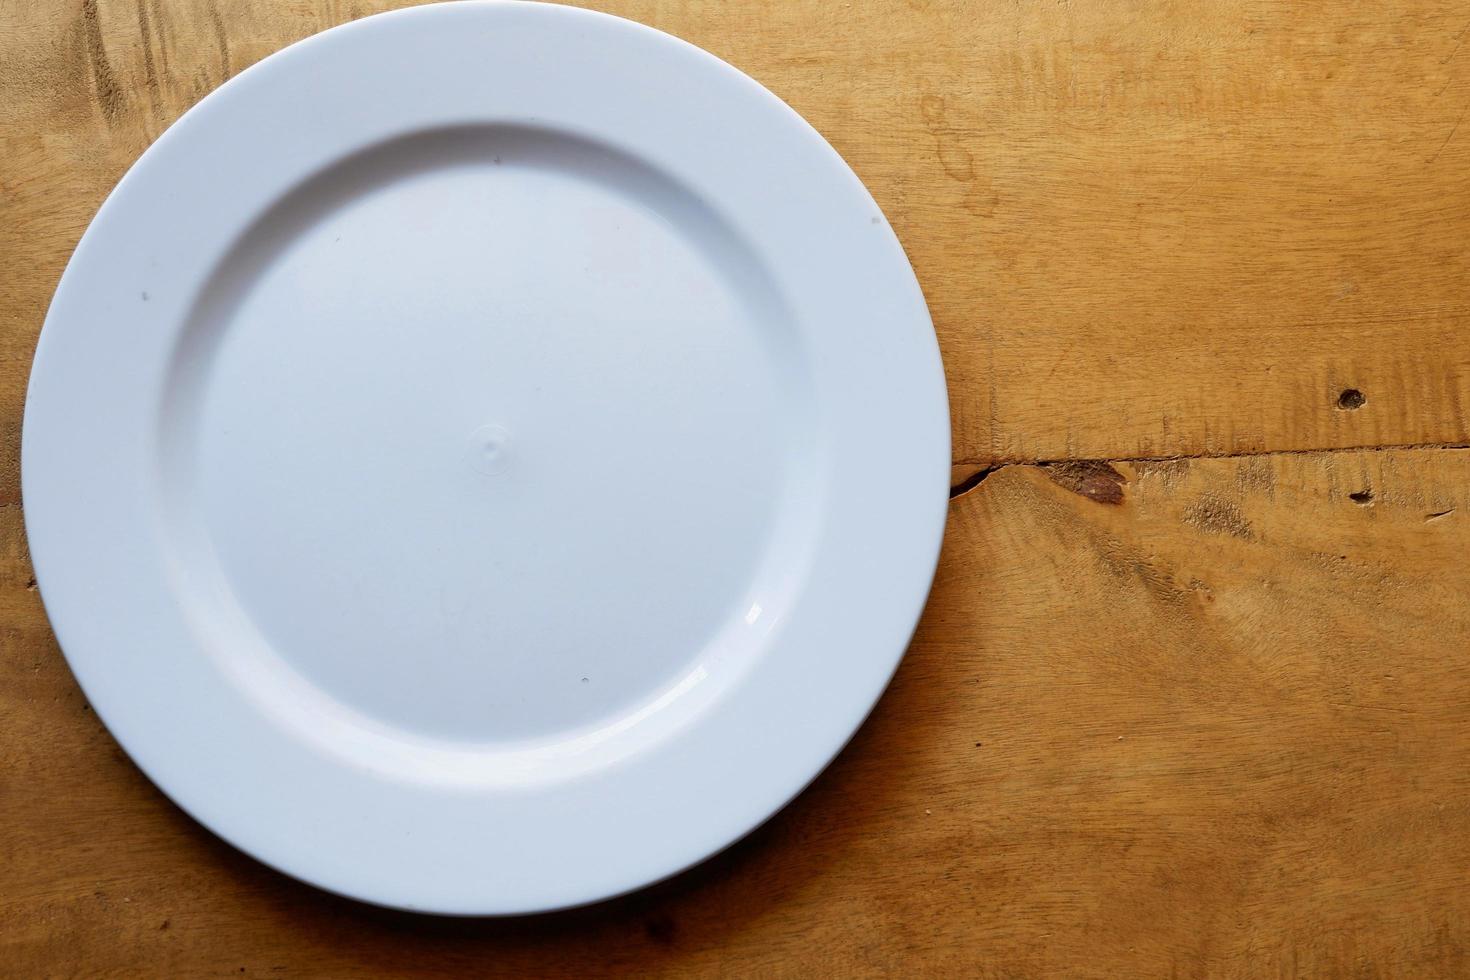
[(1459, 40), (1453, 130)]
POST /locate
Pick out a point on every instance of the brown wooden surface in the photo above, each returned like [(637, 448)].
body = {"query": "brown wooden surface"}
[(1190, 717)]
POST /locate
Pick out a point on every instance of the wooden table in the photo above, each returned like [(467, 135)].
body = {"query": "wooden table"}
[(1192, 694)]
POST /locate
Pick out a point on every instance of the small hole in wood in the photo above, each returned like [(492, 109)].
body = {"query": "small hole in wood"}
[(1351, 399), (1361, 497)]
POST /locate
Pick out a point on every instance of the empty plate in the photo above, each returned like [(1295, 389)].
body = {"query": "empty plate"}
[(486, 458)]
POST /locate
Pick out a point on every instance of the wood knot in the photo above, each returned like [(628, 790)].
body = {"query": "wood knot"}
[(1088, 478)]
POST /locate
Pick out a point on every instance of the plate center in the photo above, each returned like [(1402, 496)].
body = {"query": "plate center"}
[(487, 434)]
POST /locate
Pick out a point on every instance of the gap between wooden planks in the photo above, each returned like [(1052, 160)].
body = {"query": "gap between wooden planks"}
[(1098, 479)]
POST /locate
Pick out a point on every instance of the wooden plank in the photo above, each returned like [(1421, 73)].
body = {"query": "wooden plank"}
[(1217, 727), (1144, 229)]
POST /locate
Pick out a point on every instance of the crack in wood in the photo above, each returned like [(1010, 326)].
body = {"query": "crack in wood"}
[(1378, 448), (1076, 471)]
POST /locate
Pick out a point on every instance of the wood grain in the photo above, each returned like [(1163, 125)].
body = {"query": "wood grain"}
[(1143, 229), (1218, 727), (1189, 717)]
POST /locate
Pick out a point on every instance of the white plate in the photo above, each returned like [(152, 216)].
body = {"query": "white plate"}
[(486, 458)]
